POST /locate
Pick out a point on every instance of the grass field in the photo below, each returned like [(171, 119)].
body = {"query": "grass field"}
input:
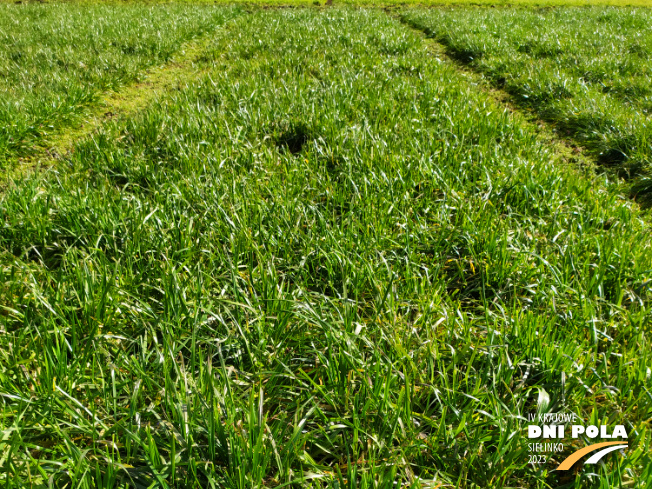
[(55, 61), (585, 70), (332, 260), (363, 3)]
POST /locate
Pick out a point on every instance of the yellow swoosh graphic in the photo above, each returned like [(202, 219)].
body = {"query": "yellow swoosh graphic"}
[(574, 457)]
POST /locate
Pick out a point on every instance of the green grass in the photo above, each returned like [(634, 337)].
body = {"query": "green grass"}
[(331, 261), (368, 3), (585, 70), (56, 60)]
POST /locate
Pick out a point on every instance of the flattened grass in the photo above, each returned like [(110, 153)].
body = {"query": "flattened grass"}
[(331, 262), (56, 60), (585, 70)]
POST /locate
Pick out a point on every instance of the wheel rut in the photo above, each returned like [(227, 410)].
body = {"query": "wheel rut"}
[(182, 69)]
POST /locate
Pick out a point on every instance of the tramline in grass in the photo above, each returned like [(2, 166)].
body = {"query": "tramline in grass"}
[(585, 70), (330, 262), (55, 60)]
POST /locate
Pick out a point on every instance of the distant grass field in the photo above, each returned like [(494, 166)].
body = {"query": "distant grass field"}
[(331, 261), (367, 3), (586, 70), (55, 60)]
